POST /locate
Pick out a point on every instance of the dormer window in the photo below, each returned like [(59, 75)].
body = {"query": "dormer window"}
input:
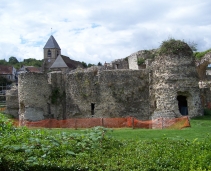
[(49, 53)]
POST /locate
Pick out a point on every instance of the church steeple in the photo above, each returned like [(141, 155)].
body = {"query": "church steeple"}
[(51, 50), (51, 44)]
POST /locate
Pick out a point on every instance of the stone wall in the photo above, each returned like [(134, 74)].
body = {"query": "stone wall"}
[(114, 93), (146, 55), (34, 92), (132, 61), (110, 93), (120, 64), (202, 66), (174, 76), (12, 102)]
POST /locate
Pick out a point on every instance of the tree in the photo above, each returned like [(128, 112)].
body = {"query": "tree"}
[(13, 60), (99, 64), (84, 64), (3, 62), (89, 65)]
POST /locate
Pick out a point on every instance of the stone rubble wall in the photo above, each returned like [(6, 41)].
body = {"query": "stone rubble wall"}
[(12, 102), (173, 76), (132, 61), (119, 64), (202, 66), (147, 55), (144, 94), (34, 92), (115, 94)]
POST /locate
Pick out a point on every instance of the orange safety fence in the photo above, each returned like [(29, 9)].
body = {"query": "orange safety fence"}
[(129, 122), (2, 109)]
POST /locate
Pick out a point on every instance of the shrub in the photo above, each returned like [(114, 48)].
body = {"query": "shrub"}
[(175, 47), (22, 149), (199, 55), (140, 61)]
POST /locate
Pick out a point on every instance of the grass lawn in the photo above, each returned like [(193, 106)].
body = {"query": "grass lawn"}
[(200, 129)]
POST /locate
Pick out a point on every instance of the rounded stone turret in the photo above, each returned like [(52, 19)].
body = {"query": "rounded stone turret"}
[(175, 91)]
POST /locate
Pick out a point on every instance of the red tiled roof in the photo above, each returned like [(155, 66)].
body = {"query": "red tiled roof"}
[(5, 70), (32, 69)]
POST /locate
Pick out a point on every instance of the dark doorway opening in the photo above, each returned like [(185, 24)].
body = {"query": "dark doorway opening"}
[(182, 104), (92, 109)]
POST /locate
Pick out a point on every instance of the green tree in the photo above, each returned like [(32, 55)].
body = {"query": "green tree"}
[(84, 64), (32, 62), (3, 62), (13, 60), (99, 64), (89, 65)]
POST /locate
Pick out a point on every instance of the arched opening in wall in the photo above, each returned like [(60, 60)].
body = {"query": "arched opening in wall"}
[(49, 53), (92, 109), (182, 104)]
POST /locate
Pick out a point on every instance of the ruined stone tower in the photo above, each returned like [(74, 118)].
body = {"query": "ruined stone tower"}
[(51, 50), (175, 89)]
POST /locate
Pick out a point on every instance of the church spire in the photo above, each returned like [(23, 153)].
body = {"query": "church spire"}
[(52, 44)]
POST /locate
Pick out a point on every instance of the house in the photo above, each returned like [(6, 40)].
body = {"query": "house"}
[(25, 69), (8, 72)]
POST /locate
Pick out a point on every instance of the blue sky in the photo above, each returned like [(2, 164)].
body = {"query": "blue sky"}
[(97, 31)]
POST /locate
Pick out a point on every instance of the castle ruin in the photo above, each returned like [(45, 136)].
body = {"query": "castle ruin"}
[(145, 85)]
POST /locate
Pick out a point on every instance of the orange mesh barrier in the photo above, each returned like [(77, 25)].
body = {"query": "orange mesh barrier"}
[(115, 122), (160, 123), (2, 109)]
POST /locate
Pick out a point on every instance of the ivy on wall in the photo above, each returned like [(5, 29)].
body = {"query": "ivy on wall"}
[(56, 95)]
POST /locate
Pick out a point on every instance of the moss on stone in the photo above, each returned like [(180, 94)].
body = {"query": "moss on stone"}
[(199, 55), (175, 47)]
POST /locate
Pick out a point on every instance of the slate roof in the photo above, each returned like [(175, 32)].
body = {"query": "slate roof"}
[(64, 62), (51, 43), (6, 70)]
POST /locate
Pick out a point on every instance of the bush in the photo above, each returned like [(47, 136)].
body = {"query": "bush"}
[(175, 47), (23, 149), (140, 61), (199, 55)]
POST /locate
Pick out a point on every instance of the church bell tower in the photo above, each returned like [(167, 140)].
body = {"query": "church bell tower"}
[(51, 50)]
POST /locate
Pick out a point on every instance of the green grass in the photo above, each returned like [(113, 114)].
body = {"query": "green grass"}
[(200, 129), (130, 149)]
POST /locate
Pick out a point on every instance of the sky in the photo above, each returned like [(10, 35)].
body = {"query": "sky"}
[(100, 30)]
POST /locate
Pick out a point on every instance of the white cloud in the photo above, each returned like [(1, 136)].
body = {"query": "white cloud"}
[(94, 30)]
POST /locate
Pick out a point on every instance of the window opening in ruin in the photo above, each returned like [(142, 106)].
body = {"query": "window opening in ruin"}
[(116, 66), (155, 104), (49, 53), (92, 109), (182, 104)]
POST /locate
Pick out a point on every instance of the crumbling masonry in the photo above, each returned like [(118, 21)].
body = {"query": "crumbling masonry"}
[(165, 85)]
